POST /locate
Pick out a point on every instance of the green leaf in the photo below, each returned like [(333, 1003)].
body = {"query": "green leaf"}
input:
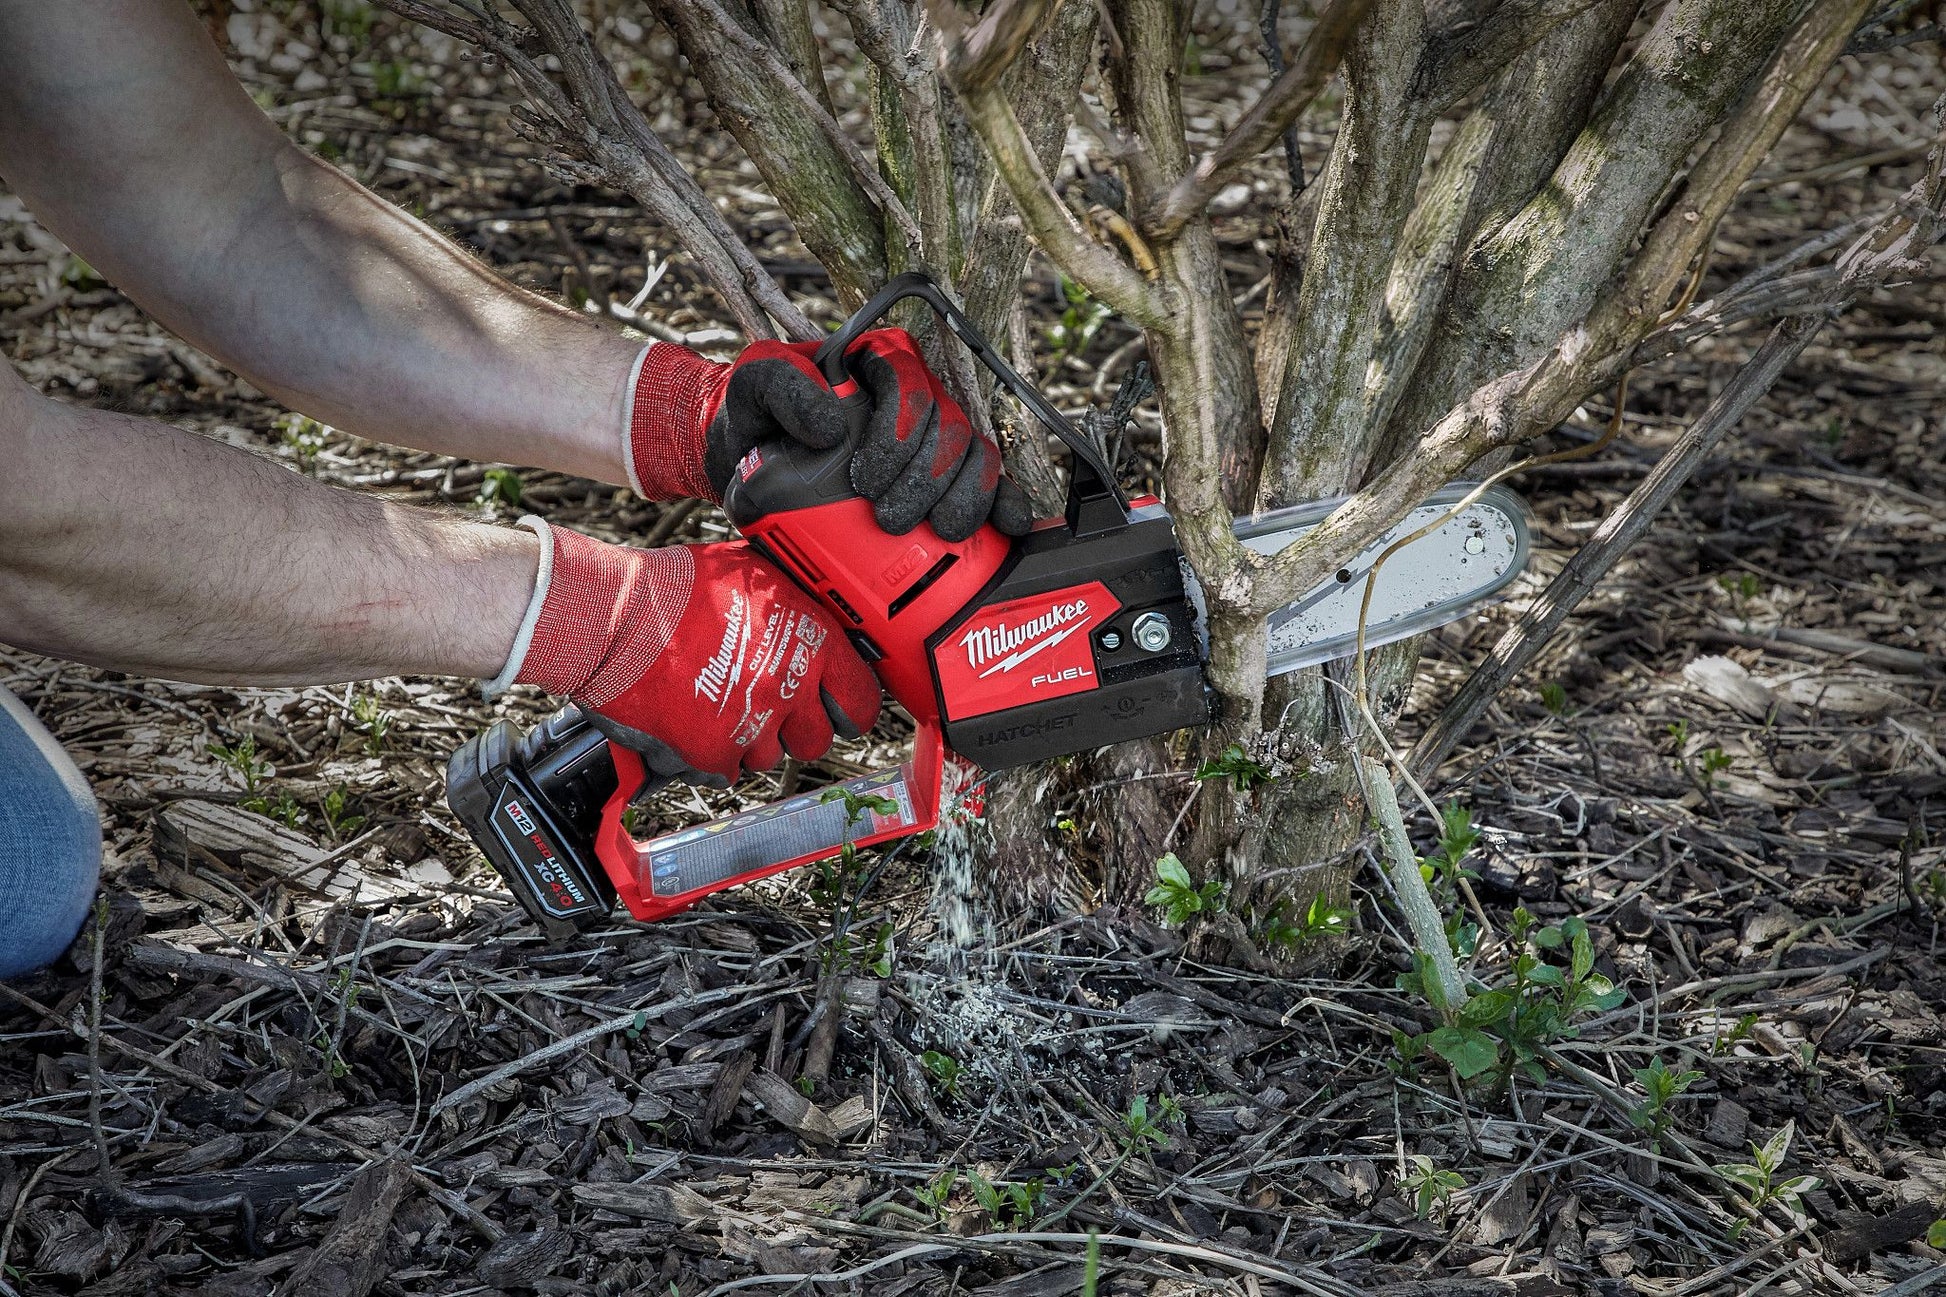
[(1546, 975), (1487, 1007), (1468, 1049), (1583, 958), (1750, 1177), (1936, 1234), (1771, 1155), (1548, 938), (1172, 871)]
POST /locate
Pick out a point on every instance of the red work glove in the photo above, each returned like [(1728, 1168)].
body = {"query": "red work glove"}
[(691, 420), (703, 658)]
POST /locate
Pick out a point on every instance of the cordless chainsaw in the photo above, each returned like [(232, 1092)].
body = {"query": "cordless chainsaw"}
[(1084, 633)]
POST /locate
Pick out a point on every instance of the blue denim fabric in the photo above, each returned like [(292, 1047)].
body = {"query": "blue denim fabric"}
[(50, 843)]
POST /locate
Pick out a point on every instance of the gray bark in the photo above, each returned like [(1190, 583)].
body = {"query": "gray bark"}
[(1532, 278), (839, 224)]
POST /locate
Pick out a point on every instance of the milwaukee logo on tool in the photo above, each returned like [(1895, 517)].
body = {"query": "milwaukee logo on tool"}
[(1013, 645)]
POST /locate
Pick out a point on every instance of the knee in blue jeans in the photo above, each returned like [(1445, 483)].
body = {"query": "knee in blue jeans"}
[(50, 844)]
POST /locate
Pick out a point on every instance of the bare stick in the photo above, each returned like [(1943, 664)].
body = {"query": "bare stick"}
[(1266, 120), (1048, 216)]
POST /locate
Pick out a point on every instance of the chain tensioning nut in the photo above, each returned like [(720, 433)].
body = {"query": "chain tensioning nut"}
[(1151, 632)]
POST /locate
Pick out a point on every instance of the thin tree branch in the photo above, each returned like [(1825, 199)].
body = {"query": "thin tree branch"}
[(1461, 59), (1317, 445), (1518, 406), (864, 171), (1502, 152), (990, 46), (599, 129), (1523, 286), (1744, 141), (787, 134), (1265, 121), (1048, 217), (787, 23), (1894, 246)]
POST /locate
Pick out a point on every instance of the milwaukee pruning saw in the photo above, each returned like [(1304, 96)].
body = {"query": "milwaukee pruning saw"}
[(1083, 633)]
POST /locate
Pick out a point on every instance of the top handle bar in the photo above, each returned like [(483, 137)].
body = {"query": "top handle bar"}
[(1095, 503)]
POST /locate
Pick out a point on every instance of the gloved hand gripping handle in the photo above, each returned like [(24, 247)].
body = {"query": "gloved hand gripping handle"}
[(1095, 503)]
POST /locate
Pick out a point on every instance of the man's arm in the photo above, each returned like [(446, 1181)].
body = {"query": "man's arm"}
[(124, 131), (136, 546)]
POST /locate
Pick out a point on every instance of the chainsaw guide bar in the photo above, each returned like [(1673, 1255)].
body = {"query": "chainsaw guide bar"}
[(1439, 578)]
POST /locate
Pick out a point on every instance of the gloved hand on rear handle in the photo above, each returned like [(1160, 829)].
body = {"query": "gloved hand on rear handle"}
[(691, 420), (703, 658)]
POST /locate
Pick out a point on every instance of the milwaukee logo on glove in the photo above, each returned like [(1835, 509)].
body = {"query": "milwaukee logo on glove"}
[(722, 670)]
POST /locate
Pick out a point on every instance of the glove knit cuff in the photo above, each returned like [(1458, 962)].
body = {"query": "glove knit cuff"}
[(662, 445), (606, 615)]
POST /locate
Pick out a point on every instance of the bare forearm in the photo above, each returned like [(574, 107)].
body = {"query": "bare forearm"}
[(124, 131), (142, 548)]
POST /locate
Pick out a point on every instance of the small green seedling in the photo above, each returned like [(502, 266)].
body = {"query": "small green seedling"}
[(1714, 762), (1936, 1235), (369, 714), (1740, 586), (303, 437), (501, 486), (944, 1069), (1660, 1085), (1728, 1040), (1320, 919), (283, 808), (334, 808), (936, 1194), (1457, 838), (351, 18), (837, 883), (1508, 1028), (392, 79), (1554, 698), (1758, 1179), (78, 274), (1678, 730), (1141, 1129), (242, 757), (1007, 1202), (1080, 321), (1242, 771), (1178, 895), (1427, 1185)]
